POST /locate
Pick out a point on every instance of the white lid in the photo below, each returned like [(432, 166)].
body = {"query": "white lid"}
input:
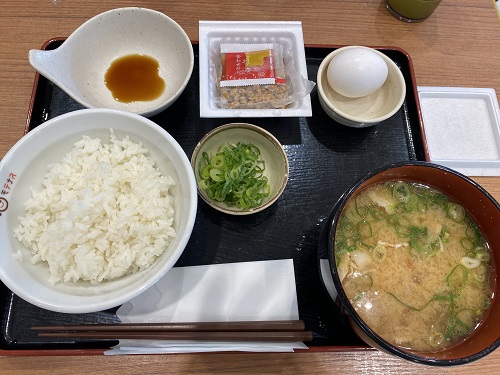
[(462, 128)]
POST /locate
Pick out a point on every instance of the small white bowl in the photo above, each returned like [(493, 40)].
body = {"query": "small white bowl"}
[(24, 167), (276, 161), (78, 66), (367, 110)]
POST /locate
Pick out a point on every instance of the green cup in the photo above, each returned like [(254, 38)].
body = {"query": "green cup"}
[(411, 10)]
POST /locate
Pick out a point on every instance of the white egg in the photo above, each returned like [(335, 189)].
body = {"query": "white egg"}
[(357, 72)]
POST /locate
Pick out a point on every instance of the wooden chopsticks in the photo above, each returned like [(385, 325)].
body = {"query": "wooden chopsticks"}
[(282, 331)]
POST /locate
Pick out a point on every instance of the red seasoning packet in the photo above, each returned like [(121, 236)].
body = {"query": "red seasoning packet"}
[(250, 64), (253, 76)]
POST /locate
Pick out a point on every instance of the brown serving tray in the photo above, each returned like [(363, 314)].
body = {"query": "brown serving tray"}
[(325, 159)]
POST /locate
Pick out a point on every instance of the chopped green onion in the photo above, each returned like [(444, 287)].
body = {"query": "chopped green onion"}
[(402, 207), (401, 191), (470, 262), (348, 228), (377, 212), (402, 225), (204, 184), (435, 197), (437, 245), (483, 256), (456, 212), (218, 161), (418, 232), (471, 232), (456, 327), (362, 205), (364, 229), (414, 308), (467, 244), (457, 278), (234, 176), (216, 175), (343, 246), (443, 234), (205, 172)]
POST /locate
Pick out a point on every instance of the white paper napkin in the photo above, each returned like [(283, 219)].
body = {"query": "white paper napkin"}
[(250, 291)]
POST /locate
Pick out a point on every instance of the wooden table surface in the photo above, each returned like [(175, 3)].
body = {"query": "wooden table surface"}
[(459, 45)]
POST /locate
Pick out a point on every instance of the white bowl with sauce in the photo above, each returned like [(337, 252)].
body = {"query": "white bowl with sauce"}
[(80, 64)]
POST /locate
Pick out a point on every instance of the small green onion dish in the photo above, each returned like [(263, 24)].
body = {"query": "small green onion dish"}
[(266, 164)]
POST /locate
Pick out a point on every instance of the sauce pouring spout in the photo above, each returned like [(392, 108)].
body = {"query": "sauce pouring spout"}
[(56, 66)]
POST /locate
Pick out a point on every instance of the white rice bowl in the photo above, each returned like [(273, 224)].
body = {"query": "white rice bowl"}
[(29, 159)]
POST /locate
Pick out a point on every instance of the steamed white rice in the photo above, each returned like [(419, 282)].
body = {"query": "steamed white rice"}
[(104, 211)]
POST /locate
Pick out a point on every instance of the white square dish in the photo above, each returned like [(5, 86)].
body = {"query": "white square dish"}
[(462, 128), (212, 33)]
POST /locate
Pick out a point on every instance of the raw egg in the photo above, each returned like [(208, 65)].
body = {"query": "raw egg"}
[(357, 72)]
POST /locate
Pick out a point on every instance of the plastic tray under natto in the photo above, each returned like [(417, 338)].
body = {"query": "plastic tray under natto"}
[(325, 159)]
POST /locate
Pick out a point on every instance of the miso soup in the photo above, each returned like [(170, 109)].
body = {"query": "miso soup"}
[(414, 265)]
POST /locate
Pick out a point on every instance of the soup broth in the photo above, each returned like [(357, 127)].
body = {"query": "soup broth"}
[(414, 265)]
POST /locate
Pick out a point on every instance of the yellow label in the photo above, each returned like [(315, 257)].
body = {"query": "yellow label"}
[(256, 58)]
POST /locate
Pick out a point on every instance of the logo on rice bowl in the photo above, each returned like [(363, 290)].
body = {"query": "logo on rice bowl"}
[(3, 205), (5, 189)]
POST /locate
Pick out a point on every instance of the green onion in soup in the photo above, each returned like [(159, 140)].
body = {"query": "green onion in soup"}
[(414, 265)]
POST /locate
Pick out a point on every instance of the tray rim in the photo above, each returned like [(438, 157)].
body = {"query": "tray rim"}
[(315, 348)]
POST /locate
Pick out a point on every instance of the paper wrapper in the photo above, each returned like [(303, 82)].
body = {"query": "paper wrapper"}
[(252, 291)]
